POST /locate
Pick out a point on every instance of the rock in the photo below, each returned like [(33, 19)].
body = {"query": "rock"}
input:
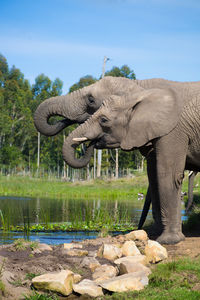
[(92, 253), (44, 247), (77, 278), (121, 238), (88, 287), (109, 251), (72, 245), (130, 267), (128, 282), (132, 259), (76, 252), (90, 263), (60, 282), (36, 251), (104, 272), (139, 235), (129, 249), (155, 252)]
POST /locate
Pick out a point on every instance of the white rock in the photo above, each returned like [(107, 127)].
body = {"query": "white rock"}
[(132, 259), (60, 282), (109, 251), (77, 277), (88, 287), (130, 267), (104, 272), (137, 235), (72, 245), (44, 247), (129, 249), (155, 252), (128, 282)]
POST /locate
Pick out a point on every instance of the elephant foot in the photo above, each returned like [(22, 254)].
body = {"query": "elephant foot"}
[(155, 229), (170, 237)]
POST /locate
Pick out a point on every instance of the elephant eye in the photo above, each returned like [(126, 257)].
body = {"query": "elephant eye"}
[(103, 120), (91, 99)]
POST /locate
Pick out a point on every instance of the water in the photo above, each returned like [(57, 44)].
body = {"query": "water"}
[(17, 210)]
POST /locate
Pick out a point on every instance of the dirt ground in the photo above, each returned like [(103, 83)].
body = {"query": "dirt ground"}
[(16, 266)]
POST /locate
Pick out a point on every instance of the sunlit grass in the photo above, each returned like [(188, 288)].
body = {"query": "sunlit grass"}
[(113, 189)]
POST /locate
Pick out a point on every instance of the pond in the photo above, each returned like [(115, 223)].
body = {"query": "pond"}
[(20, 211)]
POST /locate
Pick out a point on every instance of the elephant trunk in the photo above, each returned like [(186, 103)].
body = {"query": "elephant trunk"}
[(72, 142), (67, 106)]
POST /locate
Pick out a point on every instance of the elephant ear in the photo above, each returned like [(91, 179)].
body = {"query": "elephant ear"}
[(153, 114)]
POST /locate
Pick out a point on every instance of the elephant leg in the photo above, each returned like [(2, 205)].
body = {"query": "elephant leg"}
[(153, 194), (170, 173)]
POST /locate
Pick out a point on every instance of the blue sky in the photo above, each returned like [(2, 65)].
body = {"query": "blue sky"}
[(69, 38)]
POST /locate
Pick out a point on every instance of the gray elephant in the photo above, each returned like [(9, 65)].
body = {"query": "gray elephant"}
[(147, 202), (79, 105), (161, 119)]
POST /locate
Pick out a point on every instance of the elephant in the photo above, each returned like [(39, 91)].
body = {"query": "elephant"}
[(161, 119), (78, 106), (147, 202)]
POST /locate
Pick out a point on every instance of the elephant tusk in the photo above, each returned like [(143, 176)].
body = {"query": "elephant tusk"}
[(81, 139)]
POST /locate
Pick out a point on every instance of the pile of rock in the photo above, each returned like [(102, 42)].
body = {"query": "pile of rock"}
[(127, 264)]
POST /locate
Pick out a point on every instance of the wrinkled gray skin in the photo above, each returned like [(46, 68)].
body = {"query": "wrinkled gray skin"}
[(79, 105), (147, 202), (161, 119)]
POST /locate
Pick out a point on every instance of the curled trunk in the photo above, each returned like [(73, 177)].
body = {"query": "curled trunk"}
[(70, 146), (67, 106)]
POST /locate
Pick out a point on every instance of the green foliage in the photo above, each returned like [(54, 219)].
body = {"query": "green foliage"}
[(18, 136), (37, 296), (124, 71), (22, 244), (83, 81)]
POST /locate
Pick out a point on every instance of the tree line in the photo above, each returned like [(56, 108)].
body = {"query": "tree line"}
[(18, 136)]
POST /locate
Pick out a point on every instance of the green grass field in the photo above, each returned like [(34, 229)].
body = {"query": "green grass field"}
[(33, 187)]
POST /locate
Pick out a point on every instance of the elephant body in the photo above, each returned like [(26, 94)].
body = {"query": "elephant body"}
[(161, 118)]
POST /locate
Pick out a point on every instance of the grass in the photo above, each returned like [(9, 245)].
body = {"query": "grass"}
[(33, 187), (173, 280), (22, 244), (37, 296)]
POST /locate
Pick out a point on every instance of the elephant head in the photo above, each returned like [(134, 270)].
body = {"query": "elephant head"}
[(127, 121), (79, 105)]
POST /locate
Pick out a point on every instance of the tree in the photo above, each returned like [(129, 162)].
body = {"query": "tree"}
[(83, 81), (124, 71)]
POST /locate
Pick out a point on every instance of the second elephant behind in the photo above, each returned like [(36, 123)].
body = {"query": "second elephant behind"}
[(163, 124)]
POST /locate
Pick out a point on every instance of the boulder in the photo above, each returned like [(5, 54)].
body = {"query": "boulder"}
[(129, 249), (72, 245), (60, 282), (77, 277), (44, 247), (90, 263), (130, 267), (88, 287), (104, 272), (76, 252), (109, 251), (137, 235), (155, 252), (128, 282), (132, 259)]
